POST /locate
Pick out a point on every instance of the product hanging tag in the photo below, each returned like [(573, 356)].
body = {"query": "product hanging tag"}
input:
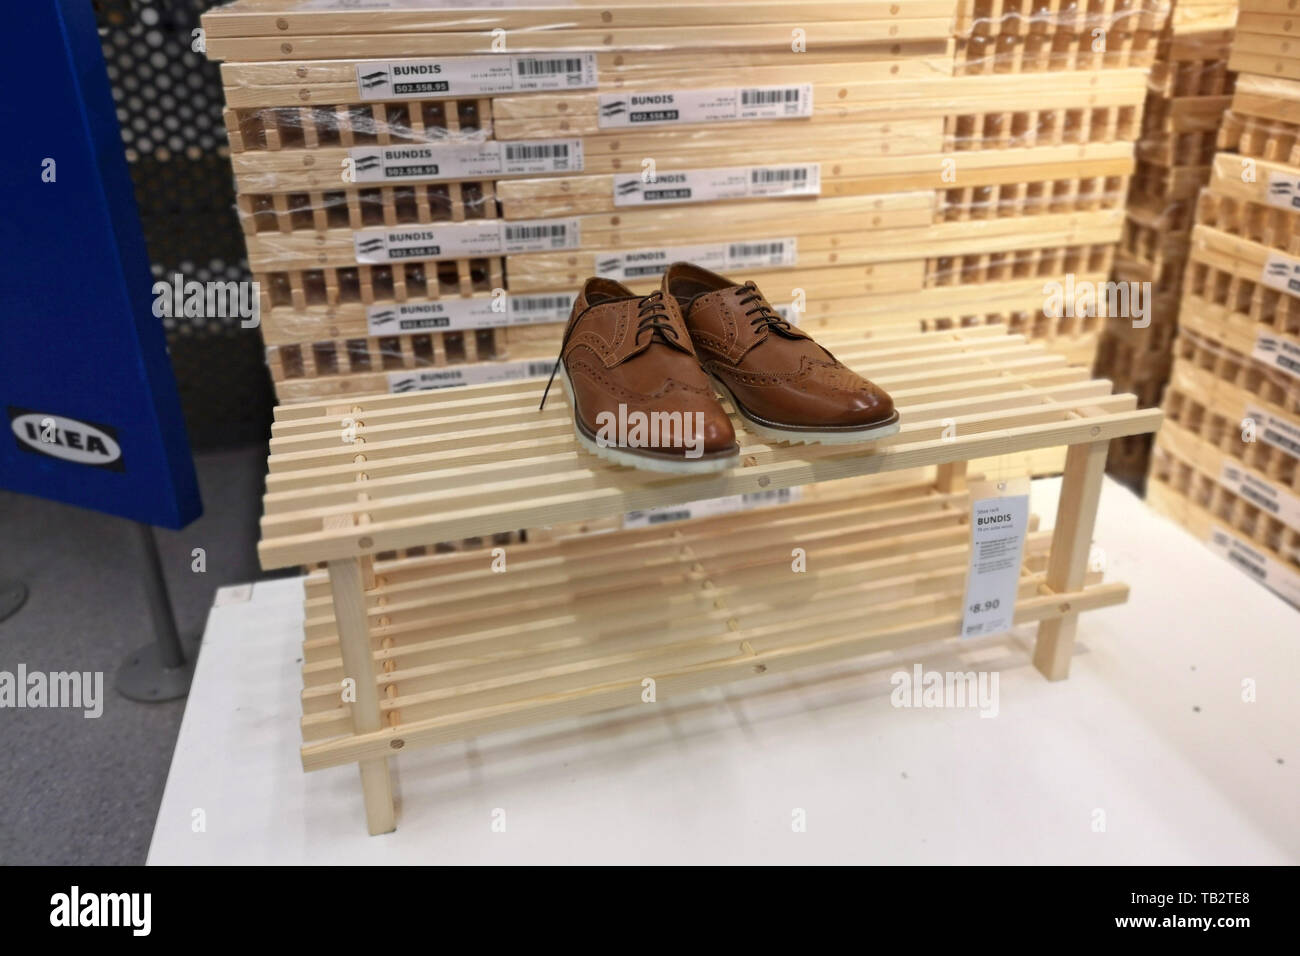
[(999, 519)]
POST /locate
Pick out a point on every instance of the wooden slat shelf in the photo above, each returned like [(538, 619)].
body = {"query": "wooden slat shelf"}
[(592, 617), (446, 466), (442, 648)]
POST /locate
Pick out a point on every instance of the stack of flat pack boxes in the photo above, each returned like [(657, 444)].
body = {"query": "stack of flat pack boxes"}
[(1227, 462), (424, 185), (1189, 91)]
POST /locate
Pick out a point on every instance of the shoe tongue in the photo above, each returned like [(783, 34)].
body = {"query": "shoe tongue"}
[(645, 342)]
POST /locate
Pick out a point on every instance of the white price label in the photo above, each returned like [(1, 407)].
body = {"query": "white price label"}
[(1265, 569), (710, 506), (454, 314), (998, 527), (1276, 352), (720, 257), (1281, 273), (1274, 430), (1281, 504), (1284, 190), (487, 237), (636, 109), (475, 373), (451, 315), (459, 76), (381, 164), (708, 185)]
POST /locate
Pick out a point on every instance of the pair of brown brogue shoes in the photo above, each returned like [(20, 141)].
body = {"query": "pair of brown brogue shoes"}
[(640, 373)]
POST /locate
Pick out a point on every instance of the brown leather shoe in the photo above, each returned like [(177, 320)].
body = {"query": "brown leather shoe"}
[(783, 385), (638, 394)]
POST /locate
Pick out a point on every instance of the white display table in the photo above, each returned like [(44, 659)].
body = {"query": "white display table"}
[(1149, 737)]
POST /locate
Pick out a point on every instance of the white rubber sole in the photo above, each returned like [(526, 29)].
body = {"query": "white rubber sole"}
[(812, 437), (621, 456)]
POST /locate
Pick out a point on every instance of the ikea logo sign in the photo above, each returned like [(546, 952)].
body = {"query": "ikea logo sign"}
[(68, 439)]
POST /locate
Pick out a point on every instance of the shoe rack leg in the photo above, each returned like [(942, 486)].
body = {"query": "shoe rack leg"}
[(1076, 514), (951, 477), (346, 585)]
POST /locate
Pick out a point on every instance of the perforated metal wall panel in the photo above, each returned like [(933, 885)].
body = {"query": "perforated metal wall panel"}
[(169, 103)]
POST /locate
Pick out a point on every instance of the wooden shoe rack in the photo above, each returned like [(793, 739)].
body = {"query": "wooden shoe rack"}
[(442, 647)]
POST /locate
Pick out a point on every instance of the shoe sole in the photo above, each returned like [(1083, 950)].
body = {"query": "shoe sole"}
[(812, 436), (621, 456)]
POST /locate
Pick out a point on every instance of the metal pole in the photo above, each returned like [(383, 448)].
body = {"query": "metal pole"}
[(157, 671), (13, 594)]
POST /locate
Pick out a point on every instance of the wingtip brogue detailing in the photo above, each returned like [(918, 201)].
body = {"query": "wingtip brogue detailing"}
[(636, 389), (782, 383)]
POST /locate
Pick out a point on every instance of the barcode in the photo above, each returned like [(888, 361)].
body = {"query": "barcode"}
[(782, 495), (523, 151), (797, 174), (1260, 499), (1241, 562), (744, 250), (523, 233), (766, 97), (662, 516), (541, 303), (558, 65), (538, 369), (1281, 440)]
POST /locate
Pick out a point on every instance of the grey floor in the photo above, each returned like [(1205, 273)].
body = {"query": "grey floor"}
[(86, 791)]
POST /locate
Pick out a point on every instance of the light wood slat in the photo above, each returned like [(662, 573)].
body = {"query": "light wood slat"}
[(612, 69), (939, 96), (255, 85), (772, 36), (281, 18), (524, 117)]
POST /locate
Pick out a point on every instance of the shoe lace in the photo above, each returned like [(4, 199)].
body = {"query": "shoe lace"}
[(651, 318), (761, 315)]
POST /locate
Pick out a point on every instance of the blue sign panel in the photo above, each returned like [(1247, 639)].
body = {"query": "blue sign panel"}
[(88, 404)]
